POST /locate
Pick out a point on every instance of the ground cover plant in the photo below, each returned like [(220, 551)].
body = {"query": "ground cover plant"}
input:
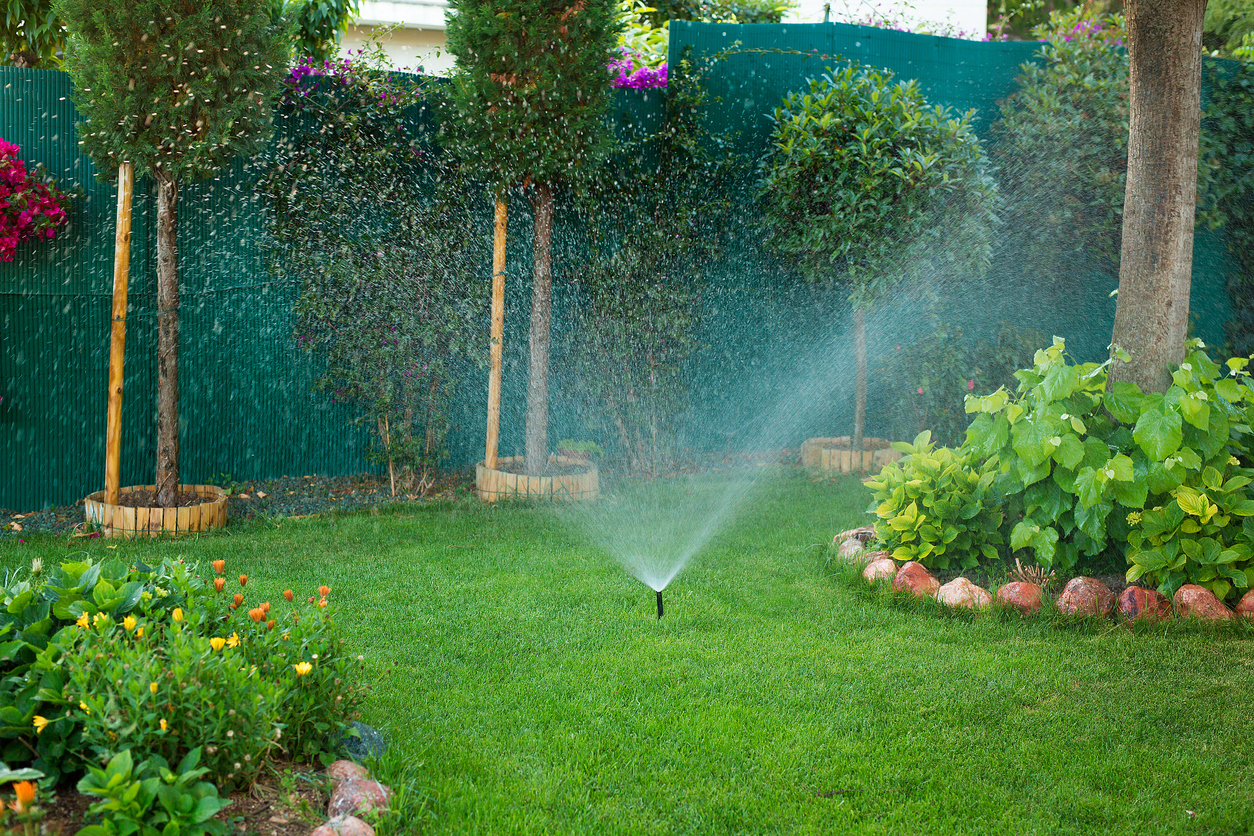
[(528, 681)]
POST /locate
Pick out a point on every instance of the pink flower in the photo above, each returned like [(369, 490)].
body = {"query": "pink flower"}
[(970, 385), (920, 390)]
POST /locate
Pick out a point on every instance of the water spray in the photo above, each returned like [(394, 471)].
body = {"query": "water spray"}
[(659, 603)]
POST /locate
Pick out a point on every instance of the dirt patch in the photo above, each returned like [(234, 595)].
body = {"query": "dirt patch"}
[(148, 499)]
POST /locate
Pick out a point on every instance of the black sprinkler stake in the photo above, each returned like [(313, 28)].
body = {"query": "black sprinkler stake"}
[(659, 603)]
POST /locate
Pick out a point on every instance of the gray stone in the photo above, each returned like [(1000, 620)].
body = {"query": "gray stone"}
[(360, 742)]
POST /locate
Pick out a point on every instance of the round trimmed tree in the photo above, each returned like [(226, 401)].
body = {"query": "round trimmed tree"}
[(868, 186), (176, 88), (532, 93)]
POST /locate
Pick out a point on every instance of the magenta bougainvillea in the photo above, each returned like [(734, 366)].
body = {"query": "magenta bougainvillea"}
[(29, 206), (631, 72)]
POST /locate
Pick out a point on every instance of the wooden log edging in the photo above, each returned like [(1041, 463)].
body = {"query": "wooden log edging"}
[(128, 523), (833, 454), (492, 485)]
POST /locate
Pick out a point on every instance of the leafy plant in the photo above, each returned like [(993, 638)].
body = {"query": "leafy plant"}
[(390, 294), (658, 218), (137, 798), (869, 186), (1082, 470), (936, 506), (1061, 147)]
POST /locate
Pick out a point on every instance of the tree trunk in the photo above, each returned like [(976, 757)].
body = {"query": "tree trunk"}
[(167, 343), (537, 429), (1156, 257), (496, 340), (859, 398), (117, 332)]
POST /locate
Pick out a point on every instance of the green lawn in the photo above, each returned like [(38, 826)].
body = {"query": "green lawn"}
[(529, 677)]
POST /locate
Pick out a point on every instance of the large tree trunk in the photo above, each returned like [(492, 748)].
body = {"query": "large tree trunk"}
[(496, 344), (537, 429), (1156, 258), (167, 343)]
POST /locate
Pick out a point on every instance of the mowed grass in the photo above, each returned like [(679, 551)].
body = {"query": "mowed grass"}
[(528, 679)]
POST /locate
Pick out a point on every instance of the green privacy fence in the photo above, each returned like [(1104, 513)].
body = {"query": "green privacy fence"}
[(771, 368)]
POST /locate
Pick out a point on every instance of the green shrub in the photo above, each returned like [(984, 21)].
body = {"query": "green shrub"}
[(136, 798), (1082, 470), (936, 506)]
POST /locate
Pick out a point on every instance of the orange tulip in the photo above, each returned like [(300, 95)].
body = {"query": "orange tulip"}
[(243, 579), (239, 599), (324, 591), (257, 614), (219, 566), (25, 791), (265, 607), (311, 599), (271, 624), (322, 603), (218, 583), (287, 593)]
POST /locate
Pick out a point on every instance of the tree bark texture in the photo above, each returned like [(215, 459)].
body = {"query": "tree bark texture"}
[(859, 398), (1156, 257), (496, 340), (167, 344), (117, 332), (537, 426)]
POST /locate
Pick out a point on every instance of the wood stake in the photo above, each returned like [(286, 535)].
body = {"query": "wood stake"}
[(117, 331), (498, 332)]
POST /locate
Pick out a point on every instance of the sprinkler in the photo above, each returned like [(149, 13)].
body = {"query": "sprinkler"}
[(659, 603)]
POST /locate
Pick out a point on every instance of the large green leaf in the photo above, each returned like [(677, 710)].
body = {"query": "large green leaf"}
[(1158, 433)]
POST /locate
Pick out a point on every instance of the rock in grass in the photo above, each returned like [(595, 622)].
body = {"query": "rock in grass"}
[(1193, 601), (344, 770), (880, 569), (357, 795), (1245, 607), (852, 551), (344, 826), (1086, 596), (360, 742), (916, 580), (1020, 595), (1137, 602), (961, 592)]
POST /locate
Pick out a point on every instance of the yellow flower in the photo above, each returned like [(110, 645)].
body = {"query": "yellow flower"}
[(41, 723), (1134, 518), (302, 668), (217, 643), (100, 620), (164, 725), (152, 686), (233, 641), (83, 706), (129, 623), (286, 635), (177, 615), (83, 621), (139, 634)]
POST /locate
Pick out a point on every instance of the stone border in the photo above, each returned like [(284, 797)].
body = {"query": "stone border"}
[(1081, 596), (352, 791)]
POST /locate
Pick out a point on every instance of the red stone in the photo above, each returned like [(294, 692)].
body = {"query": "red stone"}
[(916, 580), (1245, 607), (357, 795), (1193, 601), (1020, 595), (344, 826), (961, 592), (880, 569), (343, 770), (1086, 596), (1138, 602)]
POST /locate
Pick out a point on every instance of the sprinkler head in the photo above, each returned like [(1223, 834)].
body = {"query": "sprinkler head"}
[(659, 603)]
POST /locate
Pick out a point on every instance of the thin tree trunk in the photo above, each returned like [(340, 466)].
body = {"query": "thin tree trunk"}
[(496, 341), (537, 429), (167, 343), (1156, 257), (859, 402)]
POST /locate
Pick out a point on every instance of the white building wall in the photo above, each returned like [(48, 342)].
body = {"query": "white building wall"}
[(417, 39), (969, 17)]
